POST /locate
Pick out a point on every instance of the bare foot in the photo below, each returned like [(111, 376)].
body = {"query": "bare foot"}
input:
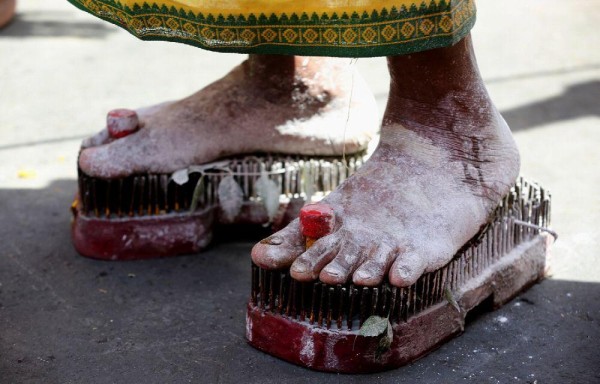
[(274, 104), (445, 159)]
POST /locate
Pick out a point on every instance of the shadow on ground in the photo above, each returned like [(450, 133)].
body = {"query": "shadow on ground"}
[(65, 318), (579, 100), (576, 101), (52, 24)]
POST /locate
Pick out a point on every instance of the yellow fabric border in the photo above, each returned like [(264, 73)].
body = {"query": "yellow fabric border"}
[(246, 7)]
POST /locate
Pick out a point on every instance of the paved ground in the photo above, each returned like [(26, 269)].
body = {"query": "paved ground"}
[(66, 319)]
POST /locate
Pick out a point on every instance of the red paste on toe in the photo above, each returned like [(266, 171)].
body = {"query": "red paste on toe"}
[(317, 220), (121, 123)]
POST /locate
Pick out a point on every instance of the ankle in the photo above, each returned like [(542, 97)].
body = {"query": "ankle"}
[(437, 83), (440, 95), (271, 70), (441, 70), (286, 77)]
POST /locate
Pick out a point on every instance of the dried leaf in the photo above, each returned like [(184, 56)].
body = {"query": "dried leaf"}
[(451, 300), (198, 191), (385, 343), (231, 197), (180, 177), (219, 165), (374, 326), (269, 192)]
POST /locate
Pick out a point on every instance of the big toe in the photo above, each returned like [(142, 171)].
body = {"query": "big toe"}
[(280, 249), (95, 140), (103, 162)]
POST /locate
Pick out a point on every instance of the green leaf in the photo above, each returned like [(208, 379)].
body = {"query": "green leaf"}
[(451, 300), (374, 326), (385, 343), (198, 191)]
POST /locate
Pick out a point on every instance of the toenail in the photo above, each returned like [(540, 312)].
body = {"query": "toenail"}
[(122, 122), (273, 240), (362, 275), (299, 268), (333, 273), (404, 272)]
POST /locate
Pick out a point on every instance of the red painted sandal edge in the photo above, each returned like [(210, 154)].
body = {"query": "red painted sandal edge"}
[(155, 236), (347, 352), (141, 237)]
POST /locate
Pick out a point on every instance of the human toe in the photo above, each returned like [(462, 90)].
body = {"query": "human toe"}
[(372, 272), (310, 263), (280, 249), (406, 269), (95, 140), (345, 262), (103, 161)]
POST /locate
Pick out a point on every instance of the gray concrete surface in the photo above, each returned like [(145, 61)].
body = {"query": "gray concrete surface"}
[(66, 319)]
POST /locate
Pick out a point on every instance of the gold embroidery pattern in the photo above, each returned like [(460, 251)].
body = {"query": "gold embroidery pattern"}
[(381, 33)]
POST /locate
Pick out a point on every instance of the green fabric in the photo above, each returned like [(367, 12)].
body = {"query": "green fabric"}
[(383, 32)]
